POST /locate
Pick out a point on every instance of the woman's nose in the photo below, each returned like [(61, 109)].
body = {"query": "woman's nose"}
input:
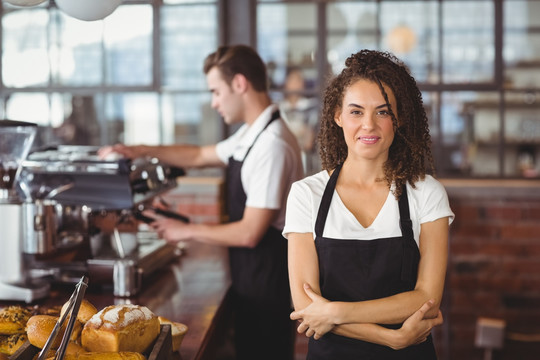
[(368, 121)]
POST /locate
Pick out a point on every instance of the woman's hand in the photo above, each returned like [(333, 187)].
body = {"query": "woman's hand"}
[(417, 327), (316, 319)]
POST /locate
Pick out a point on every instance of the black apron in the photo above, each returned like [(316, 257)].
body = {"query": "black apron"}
[(359, 270), (260, 282)]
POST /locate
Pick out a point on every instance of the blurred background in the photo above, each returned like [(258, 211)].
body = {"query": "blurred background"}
[(136, 77)]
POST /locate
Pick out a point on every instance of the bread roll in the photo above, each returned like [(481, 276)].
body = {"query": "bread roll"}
[(123, 355), (11, 343), (13, 320), (86, 311), (120, 328), (39, 328), (178, 330)]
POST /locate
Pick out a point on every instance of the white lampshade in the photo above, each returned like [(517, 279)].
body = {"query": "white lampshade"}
[(88, 10), (25, 2)]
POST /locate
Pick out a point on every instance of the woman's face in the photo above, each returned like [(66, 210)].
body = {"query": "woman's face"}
[(366, 121)]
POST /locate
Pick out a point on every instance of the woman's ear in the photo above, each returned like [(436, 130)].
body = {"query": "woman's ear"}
[(337, 119)]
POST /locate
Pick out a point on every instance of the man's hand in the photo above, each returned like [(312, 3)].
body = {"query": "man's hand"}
[(171, 230), (131, 152)]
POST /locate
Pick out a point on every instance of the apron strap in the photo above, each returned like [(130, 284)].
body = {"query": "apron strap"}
[(275, 116), (326, 200), (405, 224)]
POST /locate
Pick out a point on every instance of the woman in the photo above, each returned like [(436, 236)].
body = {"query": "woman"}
[(368, 235)]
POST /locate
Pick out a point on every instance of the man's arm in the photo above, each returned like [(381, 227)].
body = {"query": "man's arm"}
[(186, 156), (246, 232)]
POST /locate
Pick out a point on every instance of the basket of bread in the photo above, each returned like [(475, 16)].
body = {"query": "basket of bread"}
[(116, 332)]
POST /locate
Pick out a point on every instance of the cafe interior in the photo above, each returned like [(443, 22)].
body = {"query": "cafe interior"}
[(90, 73)]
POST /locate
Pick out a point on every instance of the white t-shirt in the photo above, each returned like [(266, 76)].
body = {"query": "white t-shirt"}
[(272, 165), (428, 202)]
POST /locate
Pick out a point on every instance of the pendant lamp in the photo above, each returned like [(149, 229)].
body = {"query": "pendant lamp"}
[(88, 10), (25, 2), (401, 39)]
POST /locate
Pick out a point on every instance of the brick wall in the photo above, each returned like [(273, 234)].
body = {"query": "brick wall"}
[(199, 198), (494, 268)]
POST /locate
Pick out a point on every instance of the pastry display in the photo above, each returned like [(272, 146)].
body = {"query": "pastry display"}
[(117, 332)]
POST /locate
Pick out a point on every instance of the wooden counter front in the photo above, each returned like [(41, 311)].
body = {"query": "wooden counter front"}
[(192, 290)]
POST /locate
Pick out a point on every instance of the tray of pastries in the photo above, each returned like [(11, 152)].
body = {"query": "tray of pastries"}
[(116, 332)]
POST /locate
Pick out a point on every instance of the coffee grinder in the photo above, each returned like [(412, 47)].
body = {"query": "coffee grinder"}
[(16, 139)]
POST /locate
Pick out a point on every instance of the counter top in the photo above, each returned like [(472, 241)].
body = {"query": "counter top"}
[(192, 290)]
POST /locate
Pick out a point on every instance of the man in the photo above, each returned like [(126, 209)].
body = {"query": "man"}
[(262, 160)]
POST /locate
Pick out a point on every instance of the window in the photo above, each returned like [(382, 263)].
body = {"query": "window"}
[(134, 77), (479, 74)]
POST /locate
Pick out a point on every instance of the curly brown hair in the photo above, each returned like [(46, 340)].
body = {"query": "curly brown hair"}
[(410, 153)]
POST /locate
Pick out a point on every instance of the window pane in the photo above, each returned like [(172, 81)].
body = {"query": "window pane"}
[(522, 134), (25, 59), (186, 43), (522, 44), (191, 119), (76, 51), (287, 38), (470, 128), (128, 43), (468, 41), (352, 26), (410, 31), (139, 113)]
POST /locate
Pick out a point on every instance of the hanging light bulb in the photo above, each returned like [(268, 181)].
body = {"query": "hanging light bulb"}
[(25, 2), (401, 39), (88, 10)]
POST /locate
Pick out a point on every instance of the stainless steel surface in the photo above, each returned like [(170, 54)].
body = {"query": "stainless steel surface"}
[(15, 283), (12, 269), (39, 227)]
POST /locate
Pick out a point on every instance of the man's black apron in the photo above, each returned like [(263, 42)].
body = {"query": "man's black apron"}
[(260, 282), (359, 270)]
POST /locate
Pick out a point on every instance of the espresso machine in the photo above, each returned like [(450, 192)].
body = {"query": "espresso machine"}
[(16, 139), (99, 229), (65, 213)]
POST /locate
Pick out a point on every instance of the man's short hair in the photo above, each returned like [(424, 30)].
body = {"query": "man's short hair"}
[(238, 59)]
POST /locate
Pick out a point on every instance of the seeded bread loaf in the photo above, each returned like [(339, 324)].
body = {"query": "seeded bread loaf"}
[(11, 343), (130, 328), (13, 320)]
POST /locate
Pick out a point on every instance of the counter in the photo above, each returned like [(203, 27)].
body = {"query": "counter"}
[(192, 290)]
